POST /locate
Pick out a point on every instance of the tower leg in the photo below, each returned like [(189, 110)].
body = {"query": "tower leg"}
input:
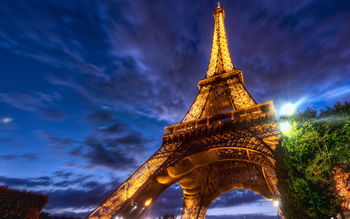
[(193, 208)]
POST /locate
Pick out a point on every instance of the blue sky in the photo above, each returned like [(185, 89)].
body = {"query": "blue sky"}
[(87, 86)]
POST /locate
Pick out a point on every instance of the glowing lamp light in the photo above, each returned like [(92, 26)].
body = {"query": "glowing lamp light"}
[(285, 127), (288, 109), (148, 202), (276, 203)]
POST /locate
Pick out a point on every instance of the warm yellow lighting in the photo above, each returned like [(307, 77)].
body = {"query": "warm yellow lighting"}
[(285, 127), (288, 109), (276, 203), (148, 202)]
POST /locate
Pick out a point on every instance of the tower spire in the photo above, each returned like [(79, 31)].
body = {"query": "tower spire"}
[(220, 59)]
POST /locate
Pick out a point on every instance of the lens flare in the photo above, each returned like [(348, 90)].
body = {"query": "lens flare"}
[(288, 109), (285, 127)]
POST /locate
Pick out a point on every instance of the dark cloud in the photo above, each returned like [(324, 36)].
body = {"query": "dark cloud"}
[(62, 174), (58, 179), (55, 141), (90, 184), (113, 143), (26, 182), (106, 123), (99, 155), (236, 197), (51, 113), (87, 195), (26, 156), (79, 180), (5, 140), (99, 116), (169, 202), (133, 139), (76, 198), (112, 128)]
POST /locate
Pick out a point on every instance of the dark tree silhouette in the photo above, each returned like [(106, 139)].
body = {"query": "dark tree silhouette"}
[(20, 204), (168, 217)]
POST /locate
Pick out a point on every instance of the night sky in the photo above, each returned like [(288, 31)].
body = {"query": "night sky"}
[(87, 86)]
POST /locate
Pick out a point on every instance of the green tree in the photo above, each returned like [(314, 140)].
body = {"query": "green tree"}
[(323, 141)]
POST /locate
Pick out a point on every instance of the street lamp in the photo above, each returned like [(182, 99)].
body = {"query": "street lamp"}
[(286, 128)]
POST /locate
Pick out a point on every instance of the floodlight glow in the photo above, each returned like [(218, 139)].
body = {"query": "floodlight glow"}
[(285, 127), (276, 203), (288, 109), (148, 202)]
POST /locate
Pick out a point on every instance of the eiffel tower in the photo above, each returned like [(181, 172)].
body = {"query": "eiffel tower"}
[(226, 141)]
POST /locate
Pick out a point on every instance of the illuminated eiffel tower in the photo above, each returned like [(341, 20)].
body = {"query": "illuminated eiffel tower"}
[(226, 141)]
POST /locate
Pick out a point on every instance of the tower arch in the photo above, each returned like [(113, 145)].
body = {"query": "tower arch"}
[(206, 183), (242, 203)]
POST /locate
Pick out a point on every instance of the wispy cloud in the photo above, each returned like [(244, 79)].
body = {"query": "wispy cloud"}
[(41, 103)]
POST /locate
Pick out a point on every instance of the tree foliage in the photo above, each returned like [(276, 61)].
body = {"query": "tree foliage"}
[(323, 142), (168, 216), (20, 204)]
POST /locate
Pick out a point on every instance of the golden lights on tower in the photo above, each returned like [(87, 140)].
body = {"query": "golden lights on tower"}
[(148, 202), (220, 59)]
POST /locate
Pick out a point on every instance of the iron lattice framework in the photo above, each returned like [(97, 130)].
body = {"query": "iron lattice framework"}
[(226, 141)]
